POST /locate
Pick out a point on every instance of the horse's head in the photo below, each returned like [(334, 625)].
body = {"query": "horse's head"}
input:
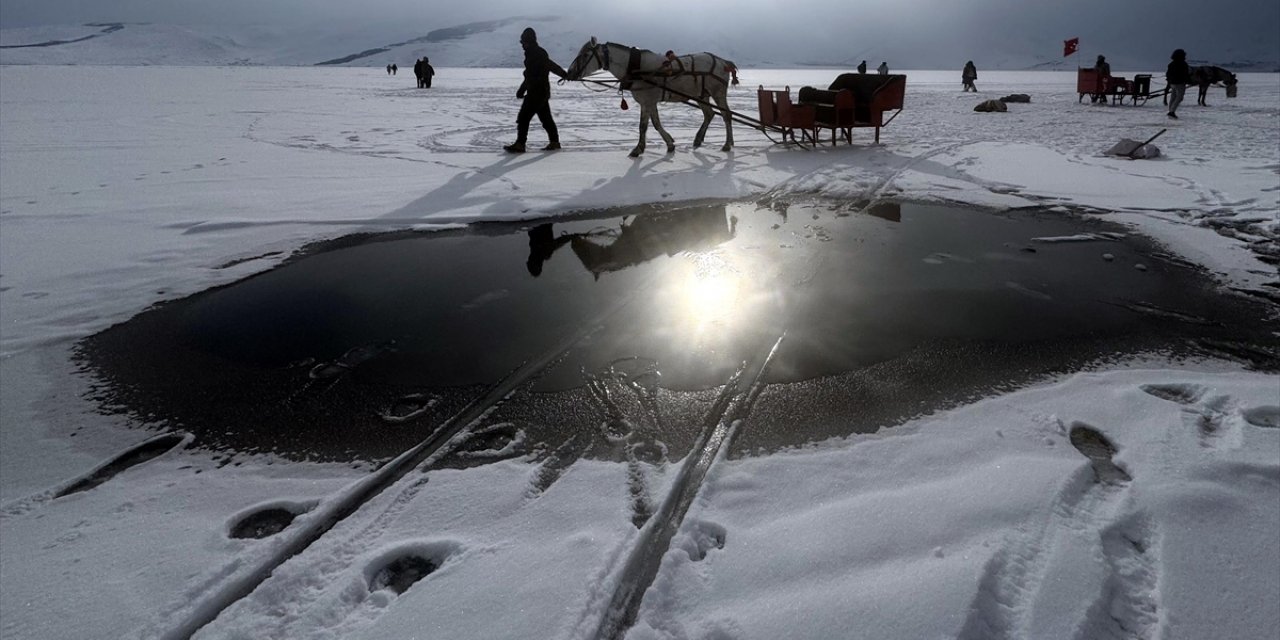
[(1231, 82), (591, 58)]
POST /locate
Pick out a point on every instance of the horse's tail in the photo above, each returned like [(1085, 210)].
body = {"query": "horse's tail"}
[(733, 71)]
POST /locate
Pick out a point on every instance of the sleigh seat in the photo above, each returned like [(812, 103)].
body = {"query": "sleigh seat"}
[(778, 113)]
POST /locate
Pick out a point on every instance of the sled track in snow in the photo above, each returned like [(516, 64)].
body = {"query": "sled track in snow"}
[(732, 406), (327, 516)]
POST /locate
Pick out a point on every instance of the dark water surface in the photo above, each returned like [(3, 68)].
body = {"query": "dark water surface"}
[(359, 348)]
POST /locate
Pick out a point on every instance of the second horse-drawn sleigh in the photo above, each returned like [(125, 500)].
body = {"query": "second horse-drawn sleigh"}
[(1101, 87)]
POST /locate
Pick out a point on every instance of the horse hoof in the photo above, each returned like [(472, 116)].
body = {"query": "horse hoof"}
[(671, 149), (726, 148), (634, 154)]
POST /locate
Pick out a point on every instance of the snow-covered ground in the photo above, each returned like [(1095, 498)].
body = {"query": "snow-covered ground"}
[(122, 187)]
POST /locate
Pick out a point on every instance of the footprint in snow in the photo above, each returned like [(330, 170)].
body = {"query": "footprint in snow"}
[(132, 457), (404, 565), (1099, 450), (351, 359), (701, 538), (1185, 394), (1267, 417), (267, 520), (401, 573), (501, 440), (409, 407)]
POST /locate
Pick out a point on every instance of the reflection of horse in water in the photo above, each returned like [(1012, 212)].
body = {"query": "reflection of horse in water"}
[(642, 239), (1210, 75)]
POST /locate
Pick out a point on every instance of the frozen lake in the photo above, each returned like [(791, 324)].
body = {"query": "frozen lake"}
[(299, 353)]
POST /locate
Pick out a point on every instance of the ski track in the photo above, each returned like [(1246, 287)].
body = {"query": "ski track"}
[(229, 586), (727, 415)]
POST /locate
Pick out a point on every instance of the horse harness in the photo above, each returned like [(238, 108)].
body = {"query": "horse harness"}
[(672, 67)]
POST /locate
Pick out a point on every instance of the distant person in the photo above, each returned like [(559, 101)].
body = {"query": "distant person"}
[(1178, 74), (394, 68), (883, 69), (536, 93), (417, 71), (862, 68), (427, 72), (388, 69), (969, 74), (1102, 66)]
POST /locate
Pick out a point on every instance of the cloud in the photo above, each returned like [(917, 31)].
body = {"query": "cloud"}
[(934, 32)]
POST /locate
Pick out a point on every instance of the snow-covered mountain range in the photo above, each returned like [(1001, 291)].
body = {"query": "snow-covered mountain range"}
[(494, 43)]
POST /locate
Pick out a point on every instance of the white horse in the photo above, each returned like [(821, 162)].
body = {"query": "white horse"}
[(652, 78)]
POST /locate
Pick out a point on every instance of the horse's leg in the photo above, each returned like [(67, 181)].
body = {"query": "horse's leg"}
[(722, 100), (1204, 91), (657, 125), (644, 128), (707, 115)]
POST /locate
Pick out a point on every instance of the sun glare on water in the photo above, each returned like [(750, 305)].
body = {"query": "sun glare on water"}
[(707, 301)]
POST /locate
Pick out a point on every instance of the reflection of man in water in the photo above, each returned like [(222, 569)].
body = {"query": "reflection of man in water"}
[(543, 243)]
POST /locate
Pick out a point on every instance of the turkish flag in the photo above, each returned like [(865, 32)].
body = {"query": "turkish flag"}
[(1069, 46)]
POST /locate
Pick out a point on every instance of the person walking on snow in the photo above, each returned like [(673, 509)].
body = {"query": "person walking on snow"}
[(536, 93), (862, 68), (1178, 74), (969, 74), (427, 72), (883, 69)]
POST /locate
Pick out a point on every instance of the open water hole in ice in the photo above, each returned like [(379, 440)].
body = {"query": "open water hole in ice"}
[(359, 347)]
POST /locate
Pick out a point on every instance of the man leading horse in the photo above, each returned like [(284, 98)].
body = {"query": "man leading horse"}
[(536, 93)]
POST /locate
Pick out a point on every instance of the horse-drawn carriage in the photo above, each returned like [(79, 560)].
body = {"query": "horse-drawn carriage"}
[(1101, 87), (853, 100), (703, 80)]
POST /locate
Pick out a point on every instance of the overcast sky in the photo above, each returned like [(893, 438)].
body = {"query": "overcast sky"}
[(1139, 15), (1219, 28)]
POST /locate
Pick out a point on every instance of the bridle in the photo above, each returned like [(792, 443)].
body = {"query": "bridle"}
[(599, 55)]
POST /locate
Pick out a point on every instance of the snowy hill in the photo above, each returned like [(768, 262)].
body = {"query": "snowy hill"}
[(493, 43)]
